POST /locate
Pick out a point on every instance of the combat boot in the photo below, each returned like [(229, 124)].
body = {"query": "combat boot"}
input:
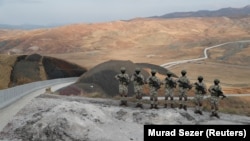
[(212, 114), (141, 106), (152, 106), (200, 112), (172, 105), (137, 105), (125, 103), (185, 107), (165, 105), (196, 111), (216, 115), (180, 106), (156, 107), (121, 103)]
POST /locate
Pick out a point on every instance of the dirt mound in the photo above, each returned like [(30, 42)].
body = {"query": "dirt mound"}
[(101, 79), (34, 67), (34, 57), (56, 68)]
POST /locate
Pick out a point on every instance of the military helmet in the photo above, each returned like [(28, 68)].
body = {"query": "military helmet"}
[(183, 72), (153, 71), (123, 69), (137, 69), (216, 81), (200, 78), (169, 73)]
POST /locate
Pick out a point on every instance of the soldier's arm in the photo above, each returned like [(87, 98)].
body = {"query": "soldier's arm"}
[(132, 78), (116, 77), (210, 89), (127, 76), (143, 79)]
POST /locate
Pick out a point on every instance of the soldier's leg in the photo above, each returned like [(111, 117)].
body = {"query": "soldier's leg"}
[(185, 99), (121, 94), (125, 90), (155, 101), (140, 95), (180, 97), (196, 104), (139, 98), (151, 101), (136, 91), (216, 108), (166, 99), (212, 102), (200, 105), (171, 92)]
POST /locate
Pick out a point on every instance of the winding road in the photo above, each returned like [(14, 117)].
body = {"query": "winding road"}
[(7, 113), (170, 64)]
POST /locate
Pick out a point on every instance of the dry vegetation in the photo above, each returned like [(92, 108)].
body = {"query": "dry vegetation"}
[(6, 64)]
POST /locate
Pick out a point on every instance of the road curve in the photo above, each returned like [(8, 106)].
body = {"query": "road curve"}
[(7, 113), (170, 64)]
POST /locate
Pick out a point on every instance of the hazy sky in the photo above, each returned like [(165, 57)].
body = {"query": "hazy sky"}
[(45, 12)]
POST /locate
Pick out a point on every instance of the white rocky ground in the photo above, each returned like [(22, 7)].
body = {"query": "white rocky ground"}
[(56, 118)]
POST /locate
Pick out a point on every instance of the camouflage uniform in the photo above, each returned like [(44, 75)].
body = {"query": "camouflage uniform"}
[(170, 84), (123, 79), (200, 91), (214, 99), (184, 87), (138, 80), (154, 85)]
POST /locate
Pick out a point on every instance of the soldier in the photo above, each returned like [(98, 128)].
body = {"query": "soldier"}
[(154, 85), (215, 91), (138, 80), (200, 91), (123, 79), (184, 87), (170, 84)]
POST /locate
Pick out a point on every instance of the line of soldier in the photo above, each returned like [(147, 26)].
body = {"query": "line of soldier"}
[(170, 84)]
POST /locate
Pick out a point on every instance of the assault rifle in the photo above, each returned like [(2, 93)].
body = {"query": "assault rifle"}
[(154, 83), (185, 85), (171, 83), (219, 92), (138, 79), (123, 79), (200, 88)]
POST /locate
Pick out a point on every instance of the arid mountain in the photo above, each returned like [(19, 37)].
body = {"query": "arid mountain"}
[(140, 33), (224, 12), (154, 41)]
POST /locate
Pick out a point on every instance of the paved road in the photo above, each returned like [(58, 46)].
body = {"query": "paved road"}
[(10, 111), (170, 64)]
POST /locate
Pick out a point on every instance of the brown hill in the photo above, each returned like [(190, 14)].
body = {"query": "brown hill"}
[(121, 34), (154, 41)]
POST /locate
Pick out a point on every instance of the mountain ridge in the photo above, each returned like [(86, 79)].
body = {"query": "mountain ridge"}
[(223, 12)]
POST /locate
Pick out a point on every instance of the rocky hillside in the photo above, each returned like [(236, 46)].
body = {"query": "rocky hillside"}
[(51, 117), (21, 69)]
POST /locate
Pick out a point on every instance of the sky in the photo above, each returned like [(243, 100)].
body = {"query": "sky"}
[(49, 12)]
